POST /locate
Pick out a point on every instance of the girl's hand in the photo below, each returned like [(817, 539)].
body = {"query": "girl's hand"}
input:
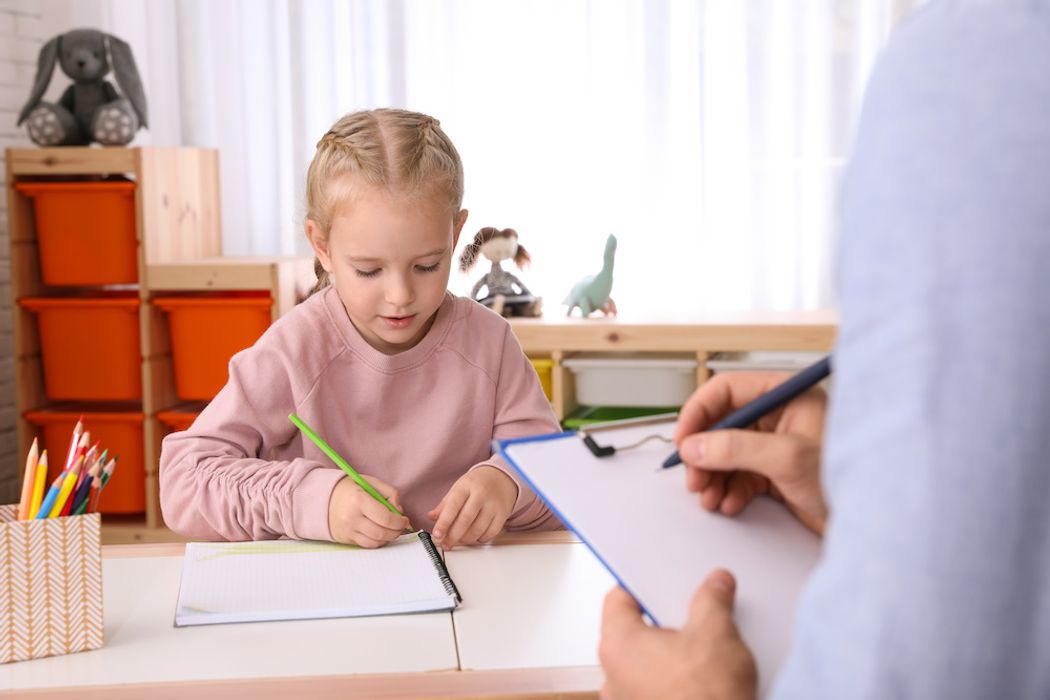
[(781, 457), (354, 517), (475, 508)]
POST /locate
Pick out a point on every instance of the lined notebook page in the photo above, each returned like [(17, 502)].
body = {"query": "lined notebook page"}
[(657, 540), (292, 580)]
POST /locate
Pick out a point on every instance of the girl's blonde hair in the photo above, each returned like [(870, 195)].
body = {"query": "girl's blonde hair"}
[(390, 148)]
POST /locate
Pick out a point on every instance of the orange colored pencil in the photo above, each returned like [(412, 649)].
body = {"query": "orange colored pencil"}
[(28, 482), (93, 496)]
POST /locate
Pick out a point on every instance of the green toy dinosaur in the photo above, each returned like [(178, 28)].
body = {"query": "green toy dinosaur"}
[(592, 292)]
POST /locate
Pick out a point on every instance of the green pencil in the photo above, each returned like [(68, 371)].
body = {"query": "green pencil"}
[(334, 456)]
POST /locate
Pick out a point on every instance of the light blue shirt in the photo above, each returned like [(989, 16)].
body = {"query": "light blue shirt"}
[(936, 577)]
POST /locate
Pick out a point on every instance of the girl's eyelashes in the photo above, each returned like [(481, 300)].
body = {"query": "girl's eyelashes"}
[(376, 271)]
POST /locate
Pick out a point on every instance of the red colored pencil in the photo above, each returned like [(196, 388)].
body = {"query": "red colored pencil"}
[(85, 465), (70, 456)]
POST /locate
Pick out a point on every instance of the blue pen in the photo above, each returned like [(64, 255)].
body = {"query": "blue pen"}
[(767, 402), (49, 500)]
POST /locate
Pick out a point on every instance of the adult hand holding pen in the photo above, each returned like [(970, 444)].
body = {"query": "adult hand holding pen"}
[(707, 657), (728, 468)]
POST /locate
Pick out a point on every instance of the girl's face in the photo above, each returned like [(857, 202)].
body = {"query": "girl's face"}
[(389, 258)]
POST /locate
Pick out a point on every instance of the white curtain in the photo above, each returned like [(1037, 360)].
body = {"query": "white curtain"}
[(709, 136)]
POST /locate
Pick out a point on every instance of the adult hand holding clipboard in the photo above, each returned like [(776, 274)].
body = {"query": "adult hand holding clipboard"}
[(728, 465), (781, 456)]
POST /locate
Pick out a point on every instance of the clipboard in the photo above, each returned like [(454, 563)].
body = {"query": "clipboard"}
[(655, 538)]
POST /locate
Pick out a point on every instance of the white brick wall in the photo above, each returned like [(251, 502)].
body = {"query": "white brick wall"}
[(20, 40)]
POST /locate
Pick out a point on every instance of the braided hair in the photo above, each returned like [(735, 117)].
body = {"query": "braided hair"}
[(391, 148)]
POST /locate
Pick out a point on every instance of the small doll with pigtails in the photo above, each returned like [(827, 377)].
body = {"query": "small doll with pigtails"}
[(504, 293)]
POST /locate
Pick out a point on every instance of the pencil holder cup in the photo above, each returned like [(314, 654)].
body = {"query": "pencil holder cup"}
[(50, 585)]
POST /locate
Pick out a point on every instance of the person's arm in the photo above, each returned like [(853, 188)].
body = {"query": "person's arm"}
[(216, 481), (935, 574), (522, 410), (477, 287), (522, 289)]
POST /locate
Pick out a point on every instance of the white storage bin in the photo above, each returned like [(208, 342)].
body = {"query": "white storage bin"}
[(632, 380), (765, 361)]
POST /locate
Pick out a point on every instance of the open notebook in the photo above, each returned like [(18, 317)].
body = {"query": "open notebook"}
[(657, 540), (292, 580)]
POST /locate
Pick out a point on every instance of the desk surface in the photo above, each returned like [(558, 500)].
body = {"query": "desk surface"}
[(528, 628)]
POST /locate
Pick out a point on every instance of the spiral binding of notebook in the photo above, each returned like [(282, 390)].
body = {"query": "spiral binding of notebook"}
[(439, 564)]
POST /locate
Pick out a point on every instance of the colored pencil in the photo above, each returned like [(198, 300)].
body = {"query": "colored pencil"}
[(38, 486), (70, 456), (51, 497), (28, 481), (89, 461), (67, 488), (83, 490), (107, 474)]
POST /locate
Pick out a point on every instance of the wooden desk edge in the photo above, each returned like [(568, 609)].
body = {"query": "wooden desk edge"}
[(510, 684), (174, 549)]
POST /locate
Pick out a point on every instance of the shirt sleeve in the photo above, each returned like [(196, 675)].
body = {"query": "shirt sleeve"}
[(522, 410), (936, 565), (216, 482)]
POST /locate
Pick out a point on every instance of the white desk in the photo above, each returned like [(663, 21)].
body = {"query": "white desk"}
[(528, 628), (528, 605)]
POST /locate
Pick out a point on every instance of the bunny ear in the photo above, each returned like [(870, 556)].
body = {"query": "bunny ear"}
[(127, 75), (44, 67)]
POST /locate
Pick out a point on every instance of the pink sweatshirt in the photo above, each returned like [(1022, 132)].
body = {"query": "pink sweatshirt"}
[(418, 420)]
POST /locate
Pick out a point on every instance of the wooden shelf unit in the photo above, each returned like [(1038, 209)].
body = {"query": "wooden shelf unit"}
[(698, 336), (176, 216)]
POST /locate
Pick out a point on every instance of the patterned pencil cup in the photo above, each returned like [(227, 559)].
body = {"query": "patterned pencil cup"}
[(50, 585)]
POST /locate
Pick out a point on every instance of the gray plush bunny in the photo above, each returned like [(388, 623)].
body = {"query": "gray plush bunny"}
[(90, 109)]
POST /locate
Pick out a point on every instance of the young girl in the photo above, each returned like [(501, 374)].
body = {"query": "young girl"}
[(406, 381)]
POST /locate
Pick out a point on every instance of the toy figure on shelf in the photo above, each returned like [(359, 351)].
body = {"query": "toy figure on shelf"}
[(592, 292), (90, 109), (504, 293)]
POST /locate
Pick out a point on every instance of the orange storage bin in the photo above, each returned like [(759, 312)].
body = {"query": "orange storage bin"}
[(205, 333), (120, 433), (90, 347), (177, 420), (86, 231)]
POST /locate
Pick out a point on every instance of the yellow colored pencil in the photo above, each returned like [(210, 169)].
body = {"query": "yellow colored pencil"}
[(38, 486), (67, 487), (28, 481)]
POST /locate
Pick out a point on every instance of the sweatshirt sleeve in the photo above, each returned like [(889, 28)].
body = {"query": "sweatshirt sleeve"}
[(522, 410), (216, 482), (936, 566)]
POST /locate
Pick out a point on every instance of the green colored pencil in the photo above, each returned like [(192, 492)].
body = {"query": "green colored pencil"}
[(334, 456)]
